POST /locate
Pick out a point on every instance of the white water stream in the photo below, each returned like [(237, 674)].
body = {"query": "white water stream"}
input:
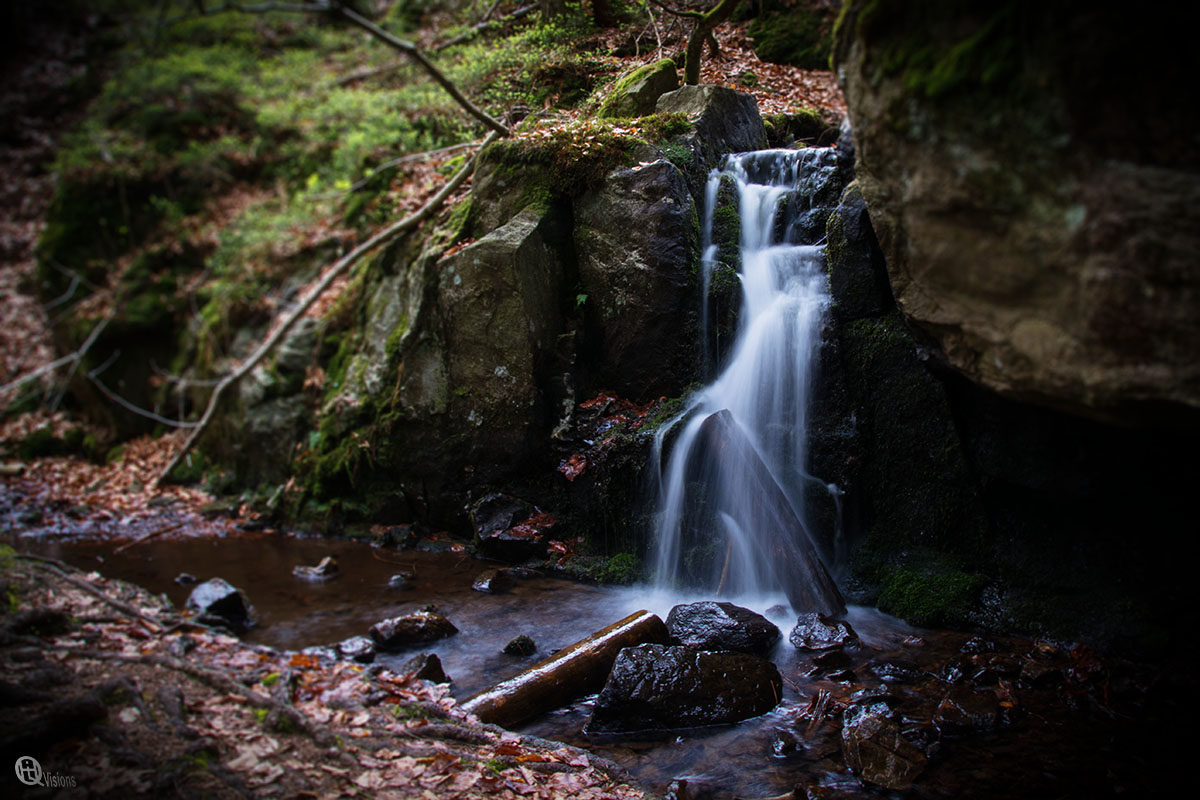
[(712, 533)]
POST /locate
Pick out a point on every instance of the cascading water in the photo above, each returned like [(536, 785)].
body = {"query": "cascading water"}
[(731, 495)]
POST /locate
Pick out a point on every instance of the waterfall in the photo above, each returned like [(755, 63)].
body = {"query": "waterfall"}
[(731, 493)]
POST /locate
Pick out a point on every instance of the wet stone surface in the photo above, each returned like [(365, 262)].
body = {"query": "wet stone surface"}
[(721, 626)]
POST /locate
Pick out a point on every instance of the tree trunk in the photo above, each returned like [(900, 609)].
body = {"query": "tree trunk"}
[(700, 34), (552, 9)]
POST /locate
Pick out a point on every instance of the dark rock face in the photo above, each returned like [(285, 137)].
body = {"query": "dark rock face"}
[(1039, 232), (652, 686), (815, 631), (637, 238), (226, 604), (398, 633), (721, 626), (726, 121), (876, 750)]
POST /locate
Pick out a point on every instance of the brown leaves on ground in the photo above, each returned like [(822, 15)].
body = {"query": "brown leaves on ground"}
[(382, 733), (119, 491)]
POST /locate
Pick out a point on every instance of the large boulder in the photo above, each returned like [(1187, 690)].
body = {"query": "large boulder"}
[(726, 121), (638, 241), (653, 686), (636, 93), (721, 626), (1036, 197)]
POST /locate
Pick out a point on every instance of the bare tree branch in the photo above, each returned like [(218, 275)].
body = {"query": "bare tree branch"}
[(414, 52), (474, 30), (92, 375), (71, 358), (345, 262)]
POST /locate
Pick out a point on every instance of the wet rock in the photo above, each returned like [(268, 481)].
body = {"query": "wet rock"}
[(185, 579), (895, 672), (326, 570), (875, 749), (874, 694), (829, 661), (653, 686), (842, 676), (221, 602), (325, 652), (1038, 673), (815, 631), (636, 94), (721, 626), (357, 648), (638, 241), (520, 646), (955, 672), (493, 581), (398, 633), (426, 667), (497, 512), (401, 580), (976, 645), (964, 709), (503, 529)]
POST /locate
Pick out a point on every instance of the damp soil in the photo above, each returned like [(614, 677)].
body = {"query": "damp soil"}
[(1087, 728)]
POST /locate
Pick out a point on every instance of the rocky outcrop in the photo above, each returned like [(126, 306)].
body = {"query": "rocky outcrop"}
[(637, 238), (1038, 231)]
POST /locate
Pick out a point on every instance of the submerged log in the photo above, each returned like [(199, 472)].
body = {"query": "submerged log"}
[(571, 672), (804, 577)]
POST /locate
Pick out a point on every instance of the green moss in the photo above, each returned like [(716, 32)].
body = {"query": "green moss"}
[(934, 598), (618, 104), (623, 568)]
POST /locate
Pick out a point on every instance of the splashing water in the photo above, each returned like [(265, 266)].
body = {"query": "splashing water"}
[(731, 499)]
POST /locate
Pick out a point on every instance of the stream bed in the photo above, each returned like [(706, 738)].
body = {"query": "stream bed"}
[(1071, 725)]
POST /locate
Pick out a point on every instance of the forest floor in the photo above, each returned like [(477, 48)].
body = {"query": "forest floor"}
[(176, 708)]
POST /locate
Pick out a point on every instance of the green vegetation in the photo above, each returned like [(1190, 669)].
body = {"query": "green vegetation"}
[(931, 598), (784, 34)]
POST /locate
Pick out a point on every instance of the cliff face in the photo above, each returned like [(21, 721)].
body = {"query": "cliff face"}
[(1034, 181)]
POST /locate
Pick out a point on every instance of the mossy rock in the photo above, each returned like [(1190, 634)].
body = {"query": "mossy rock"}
[(636, 93)]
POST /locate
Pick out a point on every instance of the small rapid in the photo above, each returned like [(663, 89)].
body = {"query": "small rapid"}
[(731, 510)]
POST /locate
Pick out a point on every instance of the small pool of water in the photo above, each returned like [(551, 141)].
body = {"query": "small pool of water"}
[(1046, 748)]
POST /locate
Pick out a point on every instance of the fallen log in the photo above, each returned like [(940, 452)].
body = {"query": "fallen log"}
[(571, 672)]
